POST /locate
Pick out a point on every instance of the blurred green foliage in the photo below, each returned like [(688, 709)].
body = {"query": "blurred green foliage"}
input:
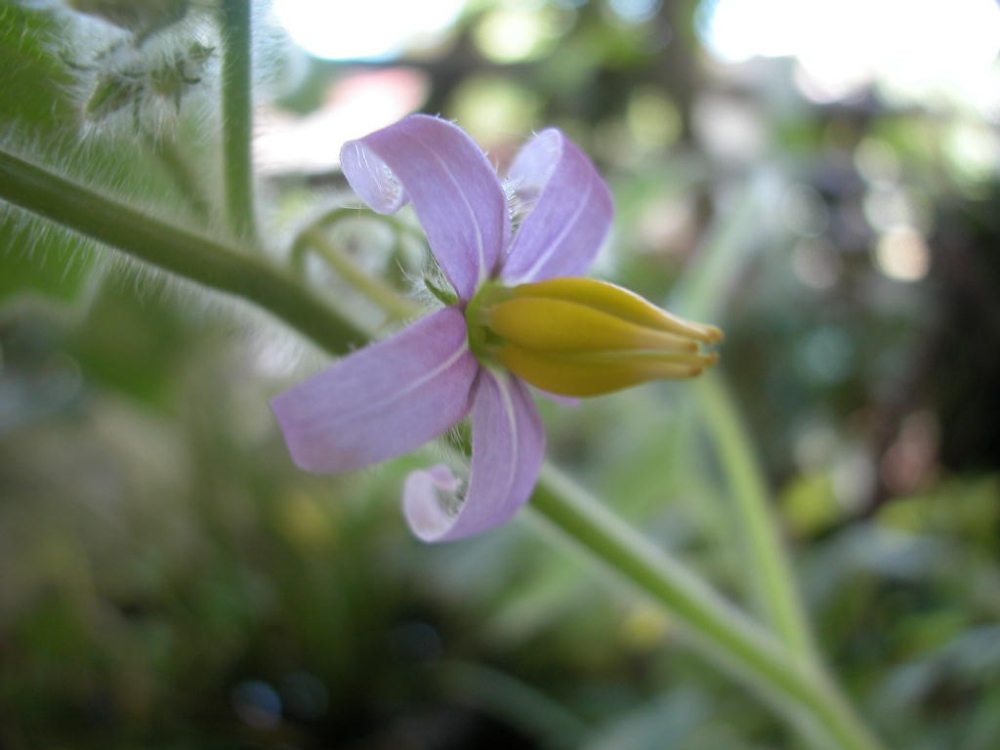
[(169, 580)]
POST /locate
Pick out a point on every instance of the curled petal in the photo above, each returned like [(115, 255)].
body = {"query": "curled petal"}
[(508, 444), (452, 185), (570, 215), (382, 401)]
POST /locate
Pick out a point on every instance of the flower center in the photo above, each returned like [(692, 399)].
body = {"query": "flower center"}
[(483, 341)]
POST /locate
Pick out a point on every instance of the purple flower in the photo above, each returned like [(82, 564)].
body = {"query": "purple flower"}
[(389, 398)]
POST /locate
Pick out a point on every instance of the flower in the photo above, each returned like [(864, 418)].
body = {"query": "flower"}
[(520, 317)]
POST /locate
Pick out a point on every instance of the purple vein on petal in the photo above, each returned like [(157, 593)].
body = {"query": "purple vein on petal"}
[(507, 452), (508, 409), (556, 244), (508, 444), (569, 215), (382, 401), (418, 383), (454, 189), (481, 263)]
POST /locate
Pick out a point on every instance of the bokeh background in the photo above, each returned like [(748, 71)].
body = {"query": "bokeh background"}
[(819, 179)]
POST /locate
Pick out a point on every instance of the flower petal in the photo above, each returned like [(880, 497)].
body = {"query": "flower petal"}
[(508, 444), (382, 401), (452, 185), (571, 212)]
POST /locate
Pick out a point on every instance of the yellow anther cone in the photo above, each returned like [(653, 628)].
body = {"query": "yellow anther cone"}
[(582, 337), (617, 301)]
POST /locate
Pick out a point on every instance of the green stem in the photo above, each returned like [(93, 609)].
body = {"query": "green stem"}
[(185, 253), (775, 588), (340, 213), (237, 119), (722, 631), (381, 294)]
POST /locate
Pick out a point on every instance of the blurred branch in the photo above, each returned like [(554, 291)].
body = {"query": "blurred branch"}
[(720, 261), (237, 118), (722, 256), (501, 695), (378, 292), (174, 162), (774, 585)]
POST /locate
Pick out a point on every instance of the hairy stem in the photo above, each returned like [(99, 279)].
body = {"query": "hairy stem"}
[(188, 254), (237, 119)]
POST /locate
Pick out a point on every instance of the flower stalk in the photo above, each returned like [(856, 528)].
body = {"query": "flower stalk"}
[(313, 238)]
